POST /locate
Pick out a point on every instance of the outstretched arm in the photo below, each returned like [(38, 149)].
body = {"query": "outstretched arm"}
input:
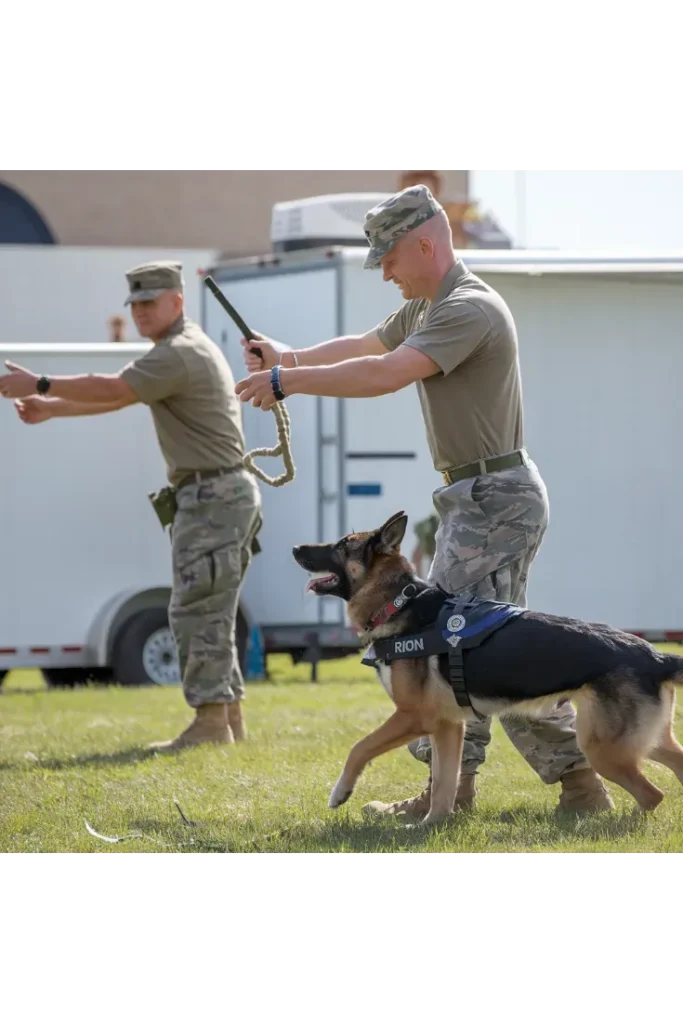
[(37, 409), (93, 388), (448, 337), (366, 377), (327, 353), (339, 350), (62, 407)]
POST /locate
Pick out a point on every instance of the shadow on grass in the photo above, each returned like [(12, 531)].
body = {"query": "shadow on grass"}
[(482, 832), (342, 836), (364, 837), (601, 825), (131, 755), (183, 838), (300, 837)]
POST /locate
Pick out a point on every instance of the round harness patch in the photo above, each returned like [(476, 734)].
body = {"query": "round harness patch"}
[(455, 623)]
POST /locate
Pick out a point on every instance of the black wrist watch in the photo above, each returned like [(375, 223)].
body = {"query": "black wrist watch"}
[(275, 383), (43, 385)]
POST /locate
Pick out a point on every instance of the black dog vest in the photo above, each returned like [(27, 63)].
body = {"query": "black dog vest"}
[(461, 624)]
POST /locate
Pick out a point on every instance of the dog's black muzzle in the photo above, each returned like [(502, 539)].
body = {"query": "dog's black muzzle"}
[(315, 558)]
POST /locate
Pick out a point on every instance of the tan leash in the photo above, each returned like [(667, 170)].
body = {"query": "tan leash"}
[(284, 445), (283, 448)]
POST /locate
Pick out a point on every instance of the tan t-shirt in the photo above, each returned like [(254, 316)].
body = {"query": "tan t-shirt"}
[(189, 387), (473, 408)]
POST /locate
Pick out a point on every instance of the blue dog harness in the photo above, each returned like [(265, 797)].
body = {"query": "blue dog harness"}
[(461, 624)]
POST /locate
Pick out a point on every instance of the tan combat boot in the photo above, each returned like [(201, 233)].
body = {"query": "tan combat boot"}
[(210, 726), (584, 791), (412, 810), (236, 721), (467, 793), (416, 808)]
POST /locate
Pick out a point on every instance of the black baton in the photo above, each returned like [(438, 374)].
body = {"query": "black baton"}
[(233, 314)]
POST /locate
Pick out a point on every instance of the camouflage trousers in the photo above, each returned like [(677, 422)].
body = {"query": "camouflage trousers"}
[(490, 530), (211, 541)]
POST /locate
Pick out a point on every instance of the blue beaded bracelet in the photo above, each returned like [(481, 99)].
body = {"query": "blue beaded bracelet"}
[(275, 383)]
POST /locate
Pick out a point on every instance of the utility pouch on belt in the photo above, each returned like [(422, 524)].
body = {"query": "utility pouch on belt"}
[(165, 505), (254, 542)]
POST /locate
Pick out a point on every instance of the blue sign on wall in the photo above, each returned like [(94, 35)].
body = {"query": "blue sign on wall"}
[(364, 490)]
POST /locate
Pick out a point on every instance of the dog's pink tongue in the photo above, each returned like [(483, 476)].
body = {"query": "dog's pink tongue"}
[(317, 579)]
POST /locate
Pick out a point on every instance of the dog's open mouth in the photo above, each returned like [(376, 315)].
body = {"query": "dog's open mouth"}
[(322, 582)]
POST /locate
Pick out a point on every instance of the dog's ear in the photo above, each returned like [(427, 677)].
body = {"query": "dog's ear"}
[(391, 534)]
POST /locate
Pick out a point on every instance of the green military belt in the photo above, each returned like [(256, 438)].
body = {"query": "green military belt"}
[(482, 466), (200, 475)]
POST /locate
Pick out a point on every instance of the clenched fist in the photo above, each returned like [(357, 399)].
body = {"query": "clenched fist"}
[(273, 352), (34, 409)]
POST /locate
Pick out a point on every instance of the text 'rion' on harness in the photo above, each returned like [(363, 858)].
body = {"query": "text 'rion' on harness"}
[(461, 623)]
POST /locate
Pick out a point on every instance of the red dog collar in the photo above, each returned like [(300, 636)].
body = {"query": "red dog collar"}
[(400, 601)]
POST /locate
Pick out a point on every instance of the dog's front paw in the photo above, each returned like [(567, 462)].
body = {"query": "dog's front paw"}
[(340, 794)]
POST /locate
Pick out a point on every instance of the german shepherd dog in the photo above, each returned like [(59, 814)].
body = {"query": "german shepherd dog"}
[(622, 687)]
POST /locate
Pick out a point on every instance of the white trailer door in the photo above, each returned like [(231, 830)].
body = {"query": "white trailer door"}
[(298, 308), (602, 366)]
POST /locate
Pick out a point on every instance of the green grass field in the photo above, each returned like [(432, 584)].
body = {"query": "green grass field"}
[(68, 756)]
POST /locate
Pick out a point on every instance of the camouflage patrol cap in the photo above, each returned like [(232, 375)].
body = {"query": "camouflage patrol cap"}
[(149, 280), (395, 217)]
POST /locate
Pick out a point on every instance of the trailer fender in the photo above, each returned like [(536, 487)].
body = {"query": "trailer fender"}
[(115, 612), (125, 604)]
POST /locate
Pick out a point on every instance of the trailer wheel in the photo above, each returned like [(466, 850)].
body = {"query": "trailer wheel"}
[(3, 673), (144, 650)]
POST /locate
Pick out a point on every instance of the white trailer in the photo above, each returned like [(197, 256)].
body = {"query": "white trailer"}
[(85, 567), (602, 360)]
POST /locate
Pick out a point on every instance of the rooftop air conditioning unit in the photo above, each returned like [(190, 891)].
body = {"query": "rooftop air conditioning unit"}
[(321, 221)]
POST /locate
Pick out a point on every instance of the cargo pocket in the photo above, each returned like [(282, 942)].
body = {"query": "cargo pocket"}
[(227, 566), (194, 579), (476, 538), (506, 529)]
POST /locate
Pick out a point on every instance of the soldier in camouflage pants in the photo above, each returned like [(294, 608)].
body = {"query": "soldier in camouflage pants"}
[(490, 529), (212, 503), (454, 337), (212, 535)]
